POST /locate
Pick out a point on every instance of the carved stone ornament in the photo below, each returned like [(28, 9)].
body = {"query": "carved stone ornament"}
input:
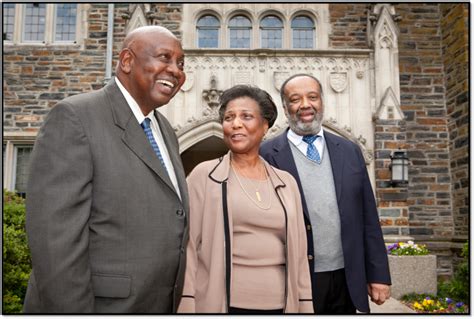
[(279, 78), (338, 81), (211, 96)]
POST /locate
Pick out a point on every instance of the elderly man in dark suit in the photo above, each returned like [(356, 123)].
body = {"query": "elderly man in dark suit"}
[(107, 201), (346, 251)]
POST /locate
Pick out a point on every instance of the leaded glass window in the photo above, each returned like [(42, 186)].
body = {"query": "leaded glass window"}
[(240, 29), (271, 28), (34, 22), (23, 154), (8, 21), (303, 32), (208, 32), (66, 22)]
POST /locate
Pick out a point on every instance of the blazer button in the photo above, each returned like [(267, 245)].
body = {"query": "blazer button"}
[(308, 227), (310, 257), (180, 212)]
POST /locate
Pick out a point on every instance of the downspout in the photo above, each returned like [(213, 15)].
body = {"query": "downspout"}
[(110, 43)]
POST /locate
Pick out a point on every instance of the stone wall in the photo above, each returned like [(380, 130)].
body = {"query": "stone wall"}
[(390, 136), (37, 77), (423, 103), (455, 48), (349, 25)]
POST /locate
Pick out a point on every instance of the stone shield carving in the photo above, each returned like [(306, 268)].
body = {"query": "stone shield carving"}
[(241, 77), (338, 81)]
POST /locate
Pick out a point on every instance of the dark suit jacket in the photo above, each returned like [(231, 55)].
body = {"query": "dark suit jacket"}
[(106, 229), (365, 256)]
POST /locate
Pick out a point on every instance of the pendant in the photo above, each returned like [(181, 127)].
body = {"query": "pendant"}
[(258, 196)]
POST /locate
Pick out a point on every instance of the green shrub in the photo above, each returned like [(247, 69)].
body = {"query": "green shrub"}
[(16, 255), (458, 287)]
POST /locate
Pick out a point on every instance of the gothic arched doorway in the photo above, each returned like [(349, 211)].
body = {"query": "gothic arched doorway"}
[(209, 148)]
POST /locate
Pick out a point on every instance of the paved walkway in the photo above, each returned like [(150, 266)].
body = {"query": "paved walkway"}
[(390, 306)]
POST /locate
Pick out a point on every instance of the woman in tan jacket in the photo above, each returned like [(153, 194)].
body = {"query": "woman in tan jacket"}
[(247, 246)]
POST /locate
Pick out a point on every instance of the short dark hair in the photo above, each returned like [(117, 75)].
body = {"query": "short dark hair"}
[(282, 89), (268, 109)]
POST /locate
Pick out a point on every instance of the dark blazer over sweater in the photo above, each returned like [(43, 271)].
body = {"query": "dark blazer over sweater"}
[(106, 228), (365, 256)]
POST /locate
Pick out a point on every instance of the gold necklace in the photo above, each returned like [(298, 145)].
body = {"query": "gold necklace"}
[(257, 193)]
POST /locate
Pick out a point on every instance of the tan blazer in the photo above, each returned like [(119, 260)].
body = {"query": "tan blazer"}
[(204, 288), (106, 229)]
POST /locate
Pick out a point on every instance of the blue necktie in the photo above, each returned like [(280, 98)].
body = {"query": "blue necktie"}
[(312, 152), (146, 127)]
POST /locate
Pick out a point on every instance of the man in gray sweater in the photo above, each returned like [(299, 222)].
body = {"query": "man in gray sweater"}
[(346, 250)]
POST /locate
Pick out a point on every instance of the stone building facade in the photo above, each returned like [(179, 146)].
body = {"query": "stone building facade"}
[(395, 79)]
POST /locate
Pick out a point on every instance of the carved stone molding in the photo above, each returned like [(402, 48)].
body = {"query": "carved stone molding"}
[(138, 15), (275, 64), (346, 132)]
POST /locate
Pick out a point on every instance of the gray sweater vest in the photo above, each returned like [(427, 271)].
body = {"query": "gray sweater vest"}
[(320, 194)]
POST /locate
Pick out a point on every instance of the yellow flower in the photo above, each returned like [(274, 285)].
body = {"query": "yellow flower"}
[(417, 305)]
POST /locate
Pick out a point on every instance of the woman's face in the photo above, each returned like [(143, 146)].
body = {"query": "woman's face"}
[(243, 125)]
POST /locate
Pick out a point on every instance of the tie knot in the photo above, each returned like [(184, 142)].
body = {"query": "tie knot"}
[(146, 123), (310, 138)]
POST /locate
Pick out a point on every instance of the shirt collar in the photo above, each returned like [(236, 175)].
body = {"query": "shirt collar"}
[(133, 104), (297, 139)]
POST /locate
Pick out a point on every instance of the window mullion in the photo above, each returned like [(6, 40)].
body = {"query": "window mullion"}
[(50, 23)]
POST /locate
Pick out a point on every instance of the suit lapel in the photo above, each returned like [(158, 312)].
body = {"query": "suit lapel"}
[(133, 135), (284, 160), (283, 156), (135, 139), (337, 162), (173, 151)]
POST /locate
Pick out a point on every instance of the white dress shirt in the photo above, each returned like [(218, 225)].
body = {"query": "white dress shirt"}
[(297, 141), (155, 128)]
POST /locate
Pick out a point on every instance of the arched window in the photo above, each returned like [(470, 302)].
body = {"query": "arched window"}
[(208, 32), (271, 32), (240, 30), (303, 32)]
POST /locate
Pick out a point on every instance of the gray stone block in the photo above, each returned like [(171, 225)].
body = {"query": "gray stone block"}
[(413, 274)]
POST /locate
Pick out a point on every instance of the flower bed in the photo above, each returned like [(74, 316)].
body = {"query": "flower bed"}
[(429, 304)]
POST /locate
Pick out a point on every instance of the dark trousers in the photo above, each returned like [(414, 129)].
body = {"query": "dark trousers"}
[(241, 311), (330, 293)]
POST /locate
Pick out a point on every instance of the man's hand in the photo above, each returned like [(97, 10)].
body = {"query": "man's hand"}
[(378, 292)]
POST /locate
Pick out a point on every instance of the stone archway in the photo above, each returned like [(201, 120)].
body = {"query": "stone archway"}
[(200, 143), (207, 149)]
